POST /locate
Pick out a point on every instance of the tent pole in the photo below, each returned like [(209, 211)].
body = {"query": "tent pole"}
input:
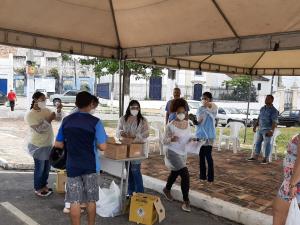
[(248, 108), (123, 85), (120, 88)]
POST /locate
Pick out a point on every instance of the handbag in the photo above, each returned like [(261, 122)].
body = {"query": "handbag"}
[(58, 158)]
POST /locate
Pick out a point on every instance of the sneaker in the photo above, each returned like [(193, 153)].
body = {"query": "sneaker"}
[(168, 195), (66, 210), (252, 159), (186, 206), (265, 161), (43, 193)]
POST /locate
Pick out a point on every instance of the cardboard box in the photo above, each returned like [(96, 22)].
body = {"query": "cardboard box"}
[(135, 150), (61, 179), (146, 209), (116, 151)]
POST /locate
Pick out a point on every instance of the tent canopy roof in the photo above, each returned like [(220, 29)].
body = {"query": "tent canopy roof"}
[(253, 37)]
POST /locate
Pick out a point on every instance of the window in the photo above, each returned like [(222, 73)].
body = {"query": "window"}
[(294, 113), (285, 113), (71, 93), (221, 111), (198, 73)]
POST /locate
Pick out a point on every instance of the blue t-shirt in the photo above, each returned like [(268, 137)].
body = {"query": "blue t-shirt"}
[(172, 115), (267, 116), (81, 132)]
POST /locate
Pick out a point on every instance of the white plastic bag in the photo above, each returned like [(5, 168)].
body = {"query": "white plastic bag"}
[(109, 201), (193, 147), (293, 217)]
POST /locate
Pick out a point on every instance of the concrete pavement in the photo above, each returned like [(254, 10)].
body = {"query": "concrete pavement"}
[(16, 188)]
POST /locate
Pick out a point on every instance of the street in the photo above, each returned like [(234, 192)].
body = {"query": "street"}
[(16, 196)]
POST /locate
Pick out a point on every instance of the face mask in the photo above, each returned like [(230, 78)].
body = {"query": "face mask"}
[(181, 116), (42, 105), (93, 111), (134, 112)]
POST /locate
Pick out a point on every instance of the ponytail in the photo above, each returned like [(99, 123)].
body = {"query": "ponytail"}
[(32, 104)]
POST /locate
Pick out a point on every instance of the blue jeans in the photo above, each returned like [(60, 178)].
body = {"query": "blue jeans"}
[(261, 136), (135, 182), (41, 173)]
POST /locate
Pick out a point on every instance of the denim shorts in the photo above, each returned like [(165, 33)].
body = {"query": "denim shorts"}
[(83, 189)]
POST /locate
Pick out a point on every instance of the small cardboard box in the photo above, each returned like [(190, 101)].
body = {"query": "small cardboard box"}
[(146, 209), (135, 150), (61, 179), (116, 151)]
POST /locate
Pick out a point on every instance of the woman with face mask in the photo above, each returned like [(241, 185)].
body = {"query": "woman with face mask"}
[(206, 131), (133, 128), (176, 137), (39, 119)]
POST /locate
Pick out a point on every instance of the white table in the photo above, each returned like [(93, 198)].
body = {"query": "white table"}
[(117, 168)]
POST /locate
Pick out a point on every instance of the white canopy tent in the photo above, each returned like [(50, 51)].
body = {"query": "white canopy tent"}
[(259, 37)]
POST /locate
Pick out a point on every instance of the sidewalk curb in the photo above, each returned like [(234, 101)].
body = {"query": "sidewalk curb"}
[(213, 205), (15, 166)]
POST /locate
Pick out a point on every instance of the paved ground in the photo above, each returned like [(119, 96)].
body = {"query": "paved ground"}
[(247, 184), (16, 188)]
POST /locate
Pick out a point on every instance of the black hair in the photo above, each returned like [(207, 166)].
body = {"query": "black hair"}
[(139, 115), (208, 95), (271, 96), (35, 97), (83, 99), (95, 100), (177, 103)]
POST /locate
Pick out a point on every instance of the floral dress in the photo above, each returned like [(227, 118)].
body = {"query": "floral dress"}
[(288, 166)]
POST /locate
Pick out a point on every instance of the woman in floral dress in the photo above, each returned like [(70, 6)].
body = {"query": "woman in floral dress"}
[(290, 187)]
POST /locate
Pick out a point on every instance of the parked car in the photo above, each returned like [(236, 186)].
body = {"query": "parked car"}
[(44, 91), (289, 118), (227, 115), (3, 98), (67, 97), (252, 117), (193, 105)]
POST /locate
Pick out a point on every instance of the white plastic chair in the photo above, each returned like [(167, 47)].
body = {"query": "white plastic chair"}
[(155, 140), (273, 145), (234, 136)]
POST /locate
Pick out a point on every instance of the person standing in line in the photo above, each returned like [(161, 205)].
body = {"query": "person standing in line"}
[(177, 135), (133, 128), (82, 134), (39, 119), (290, 187), (206, 131), (95, 103), (170, 112), (267, 122), (12, 98)]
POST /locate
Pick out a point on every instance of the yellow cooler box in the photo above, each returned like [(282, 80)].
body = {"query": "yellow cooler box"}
[(146, 209), (61, 179)]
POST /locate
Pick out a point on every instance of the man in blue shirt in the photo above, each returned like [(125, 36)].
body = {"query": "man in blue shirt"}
[(172, 115), (82, 134), (267, 122)]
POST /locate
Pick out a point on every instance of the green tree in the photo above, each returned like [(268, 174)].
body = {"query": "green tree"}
[(240, 86), (53, 72), (104, 67)]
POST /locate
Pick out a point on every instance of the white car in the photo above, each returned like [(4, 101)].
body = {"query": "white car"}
[(193, 105), (253, 116), (226, 115)]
